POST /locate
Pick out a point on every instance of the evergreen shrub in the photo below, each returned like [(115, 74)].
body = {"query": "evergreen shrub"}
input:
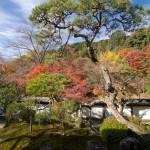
[(135, 120), (112, 132)]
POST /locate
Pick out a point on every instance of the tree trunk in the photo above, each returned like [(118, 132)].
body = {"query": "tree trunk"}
[(30, 124), (110, 103), (121, 108), (121, 119), (110, 89)]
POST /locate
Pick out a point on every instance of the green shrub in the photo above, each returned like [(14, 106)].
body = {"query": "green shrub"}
[(61, 112), (145, 140), (20, 111), (135, 120), (7, 96), (111, 131), (42, 118), (148, 127)]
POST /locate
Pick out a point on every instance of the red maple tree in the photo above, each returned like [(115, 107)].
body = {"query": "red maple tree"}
[(41, 68), (78, 87), (138, 61)]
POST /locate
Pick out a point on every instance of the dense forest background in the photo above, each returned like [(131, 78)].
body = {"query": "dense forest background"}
[(126, 56)]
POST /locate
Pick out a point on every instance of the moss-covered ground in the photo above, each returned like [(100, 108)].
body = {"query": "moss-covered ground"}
[(18, 137)]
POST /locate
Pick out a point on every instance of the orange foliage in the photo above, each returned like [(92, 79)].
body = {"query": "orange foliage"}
[(124, 52), (7, 68), (148, 51), (96, 91), (17, 76), (148, 70), (37, 70)]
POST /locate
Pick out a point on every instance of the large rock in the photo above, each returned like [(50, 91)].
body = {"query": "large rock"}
[(95, 145), (130, 144)]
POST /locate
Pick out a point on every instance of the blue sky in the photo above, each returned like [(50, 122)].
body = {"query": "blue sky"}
[(144, 3), (14, 12), (12, 15)]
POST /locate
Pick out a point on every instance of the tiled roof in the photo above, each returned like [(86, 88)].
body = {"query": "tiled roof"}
[(137, 102)]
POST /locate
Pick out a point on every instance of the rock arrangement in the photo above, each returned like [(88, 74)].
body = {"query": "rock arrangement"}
[(130, 144), (125, 144), (46, 147), (95, 145)]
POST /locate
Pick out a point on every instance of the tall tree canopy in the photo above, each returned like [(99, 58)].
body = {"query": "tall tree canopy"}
[(35, 44), (48, 85), (87, 19)]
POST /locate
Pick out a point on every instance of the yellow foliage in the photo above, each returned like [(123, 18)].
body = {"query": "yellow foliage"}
[(109, 57), (113, 61), (28, 55)]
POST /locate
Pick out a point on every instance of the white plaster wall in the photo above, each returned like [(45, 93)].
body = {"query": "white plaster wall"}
[(97, 111), (142, 112), (127, 111)]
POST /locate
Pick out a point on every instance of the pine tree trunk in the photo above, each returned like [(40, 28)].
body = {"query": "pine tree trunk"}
[(136, 128), (110, 104), (120, 108), (110, 89)]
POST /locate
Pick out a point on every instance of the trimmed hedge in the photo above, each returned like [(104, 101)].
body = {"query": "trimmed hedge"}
[(112, 132)]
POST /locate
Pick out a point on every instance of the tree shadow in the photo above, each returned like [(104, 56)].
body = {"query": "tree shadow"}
[(63, 142), (20, 139)]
